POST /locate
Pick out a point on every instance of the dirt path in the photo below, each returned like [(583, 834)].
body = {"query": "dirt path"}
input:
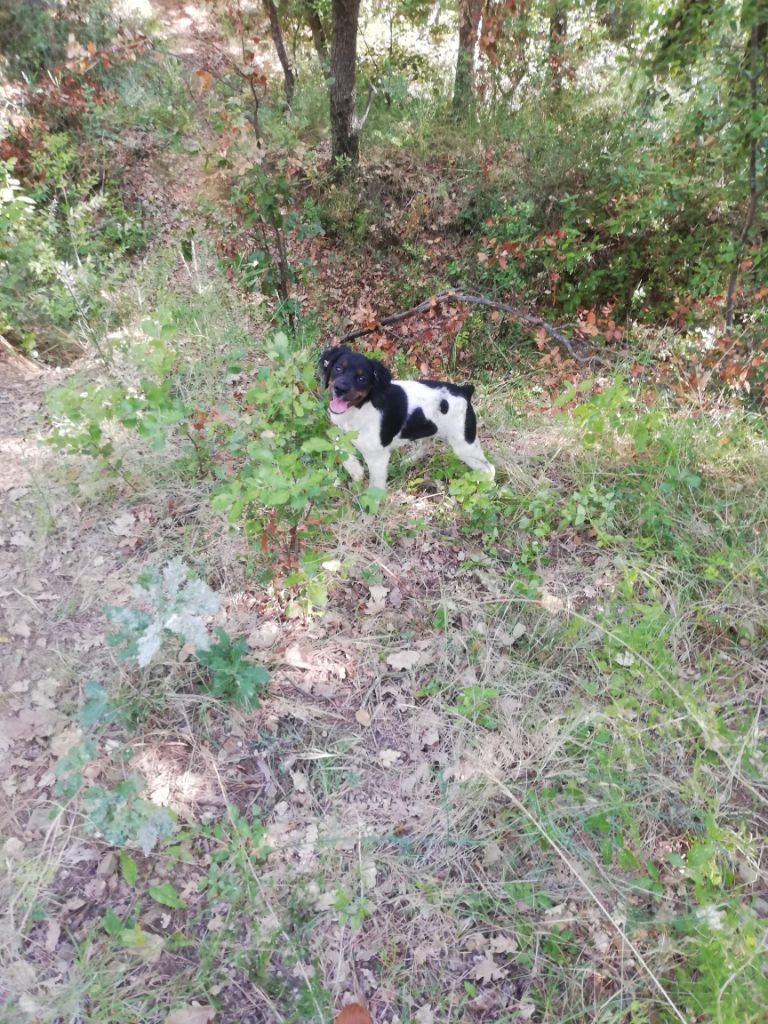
[(64, 553), (54, 555)]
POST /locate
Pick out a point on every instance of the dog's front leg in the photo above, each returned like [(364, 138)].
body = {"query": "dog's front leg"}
[(354, 467), (378, 463)]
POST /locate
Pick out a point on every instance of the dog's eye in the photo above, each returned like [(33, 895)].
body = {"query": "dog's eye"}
[(337, 369), (360, 379)]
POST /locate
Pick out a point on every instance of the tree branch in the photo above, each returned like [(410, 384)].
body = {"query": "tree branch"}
[(361, 121), (473, 299)]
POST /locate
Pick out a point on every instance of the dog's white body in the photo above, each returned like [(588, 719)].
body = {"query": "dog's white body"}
[(437, 410)]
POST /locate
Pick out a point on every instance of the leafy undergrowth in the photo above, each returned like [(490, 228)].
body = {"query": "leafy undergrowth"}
[(480, 752)]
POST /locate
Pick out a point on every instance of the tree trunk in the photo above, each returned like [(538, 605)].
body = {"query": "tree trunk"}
[(276, 32), (470, 12), (558, 32), (315, 24), (757, 36), (345, 141)]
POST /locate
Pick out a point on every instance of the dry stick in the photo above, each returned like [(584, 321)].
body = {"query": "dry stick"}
[(561, 853), (475, 300), (361, 121)]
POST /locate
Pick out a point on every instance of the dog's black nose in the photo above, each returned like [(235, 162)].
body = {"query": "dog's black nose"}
[(340, 389)]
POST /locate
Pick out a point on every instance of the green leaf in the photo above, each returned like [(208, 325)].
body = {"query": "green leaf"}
[(317, 444), (567, 396), (111, 923), (98, 708), (129, 868), (440, 619), (167, 896)]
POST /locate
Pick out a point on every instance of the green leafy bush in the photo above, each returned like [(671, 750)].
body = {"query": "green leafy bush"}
[(36, 288), (232, 676), (56, 240), (287, 455), (34, 36), (171, 603), (118, 813), (140, 392), (176, 604)]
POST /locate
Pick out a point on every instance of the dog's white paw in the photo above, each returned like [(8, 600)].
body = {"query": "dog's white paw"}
[(354, 468)]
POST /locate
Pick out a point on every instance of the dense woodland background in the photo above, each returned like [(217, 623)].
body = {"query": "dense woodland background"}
[(270, 741)]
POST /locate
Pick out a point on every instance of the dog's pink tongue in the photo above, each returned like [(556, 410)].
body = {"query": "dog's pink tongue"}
[(339, 405)]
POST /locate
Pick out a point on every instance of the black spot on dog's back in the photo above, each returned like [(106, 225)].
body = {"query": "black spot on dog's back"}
[(393, 406), (417, 425), (470, 425), (444, 406), (457, 390)]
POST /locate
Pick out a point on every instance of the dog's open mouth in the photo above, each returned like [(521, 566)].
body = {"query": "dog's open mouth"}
[(339, 404)]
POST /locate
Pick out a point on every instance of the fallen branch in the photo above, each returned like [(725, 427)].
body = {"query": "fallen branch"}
[(474, 300)]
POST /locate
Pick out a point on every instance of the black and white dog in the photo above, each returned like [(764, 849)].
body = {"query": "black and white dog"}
[(386, 413)]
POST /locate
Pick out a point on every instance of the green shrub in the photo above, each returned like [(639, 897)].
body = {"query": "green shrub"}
[(287, 456), (232, 676), (34, 36), (56, 243)]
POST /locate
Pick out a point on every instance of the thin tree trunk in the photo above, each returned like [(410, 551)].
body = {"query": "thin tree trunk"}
[(345, 140), (315, 24), (276, 32), (470, 12), (754, 53), (558, 32)]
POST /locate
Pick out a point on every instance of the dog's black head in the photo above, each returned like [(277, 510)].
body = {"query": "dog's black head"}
[(352, 377)]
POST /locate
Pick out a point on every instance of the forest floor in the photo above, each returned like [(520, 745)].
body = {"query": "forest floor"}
[(513, 770)]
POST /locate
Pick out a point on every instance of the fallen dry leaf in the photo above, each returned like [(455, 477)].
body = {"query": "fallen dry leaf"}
[(325, 901), (491, 854), (264, 635), (430, 737), (296, 657), (503, 944), (63, 742), (363, 717), (205, 78), (378, 599), (30, 723), (52, 935), (401, 660), (20, 627), (191, 1015), (123, 525), (389, 757), (602, 941), (354, 1014), (13, 847), (550, 603), (150, 949), (488, 970)]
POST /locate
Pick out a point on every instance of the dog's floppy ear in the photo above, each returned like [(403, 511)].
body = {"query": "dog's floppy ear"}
[(327, 359), (382, 378)]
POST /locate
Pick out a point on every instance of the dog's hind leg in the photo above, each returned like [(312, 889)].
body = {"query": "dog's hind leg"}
[(472, 455), (415, 453)]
